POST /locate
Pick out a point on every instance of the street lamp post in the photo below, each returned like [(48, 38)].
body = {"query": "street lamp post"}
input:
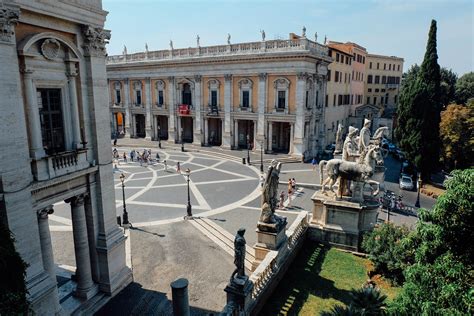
[(182, 140), (248, 149), (417, 204), (261, 156), (189, 207), (125, 214)]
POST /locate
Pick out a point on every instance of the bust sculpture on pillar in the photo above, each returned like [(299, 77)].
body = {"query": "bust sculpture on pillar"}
[(269, 221), (364, 137)]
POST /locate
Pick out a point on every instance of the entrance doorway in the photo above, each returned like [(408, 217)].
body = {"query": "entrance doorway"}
[(187, 129), (161, 127), (245, 134), (118, 125), (281, 137), (215, 132), (140, 125)]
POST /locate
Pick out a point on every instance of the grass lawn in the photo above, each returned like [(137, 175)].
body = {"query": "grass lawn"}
[(319, 278)]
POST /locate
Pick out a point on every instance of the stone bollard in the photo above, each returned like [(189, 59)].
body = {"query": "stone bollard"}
[(179, 289)]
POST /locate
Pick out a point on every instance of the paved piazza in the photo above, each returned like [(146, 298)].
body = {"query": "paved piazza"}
[(155, 196)]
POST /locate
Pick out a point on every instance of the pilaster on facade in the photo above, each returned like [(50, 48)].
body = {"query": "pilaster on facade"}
[(172, 131), (197, 137), (262, 101), (148, 115), (226, 137)]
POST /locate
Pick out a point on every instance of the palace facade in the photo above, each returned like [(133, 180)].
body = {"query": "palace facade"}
[(55, 148), (268, 93)]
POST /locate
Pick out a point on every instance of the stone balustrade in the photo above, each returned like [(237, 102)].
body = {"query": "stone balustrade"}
[(302, 44), (273, 266), (53, 166)]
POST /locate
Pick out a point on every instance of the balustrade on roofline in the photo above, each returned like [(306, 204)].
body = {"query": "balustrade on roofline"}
[(270, 46)]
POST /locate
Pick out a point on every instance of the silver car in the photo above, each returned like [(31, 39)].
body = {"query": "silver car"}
[(406, 183)]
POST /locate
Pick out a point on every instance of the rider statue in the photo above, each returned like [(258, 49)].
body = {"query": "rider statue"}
[(349, 153), (364, 138)]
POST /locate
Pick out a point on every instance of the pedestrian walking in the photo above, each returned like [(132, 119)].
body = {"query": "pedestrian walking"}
[(282, 200), (132, 155), (157, 157), (178, 167), (313, 162), (115, 139), (166, 165), (125, 156), (293, 185), (262, 180)]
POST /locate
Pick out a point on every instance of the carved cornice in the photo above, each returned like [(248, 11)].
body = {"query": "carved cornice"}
[(95, 39), (8, 19)]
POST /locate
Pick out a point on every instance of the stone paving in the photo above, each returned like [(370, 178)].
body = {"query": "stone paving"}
[(224, 193)]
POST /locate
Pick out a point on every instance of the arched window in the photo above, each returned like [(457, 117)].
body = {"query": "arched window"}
[(117, 93), (160, 93), (186, 94), (137, 88), (245, 94), (214, 95), (282, 88)]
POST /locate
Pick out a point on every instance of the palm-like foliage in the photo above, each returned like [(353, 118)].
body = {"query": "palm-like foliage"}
[(366, 301)]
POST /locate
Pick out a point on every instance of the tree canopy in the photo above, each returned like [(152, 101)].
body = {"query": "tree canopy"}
[(464, 89)]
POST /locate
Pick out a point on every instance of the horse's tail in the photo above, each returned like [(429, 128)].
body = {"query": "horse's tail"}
[(322, 163)]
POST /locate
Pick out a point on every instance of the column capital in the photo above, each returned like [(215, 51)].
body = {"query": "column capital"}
[(77, 200), (95, 39), (71, 74), (302, 75), (262, 76), (171, 78), (228, 77), (125, 81), (197, 78), (26, 71), (9, 16), (43, 213)]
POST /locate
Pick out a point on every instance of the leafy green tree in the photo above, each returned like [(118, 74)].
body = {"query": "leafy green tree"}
[(12, 287), (419, 112), (447, 86), (457, 135), (441, 278), (464, 89), (386, 250)]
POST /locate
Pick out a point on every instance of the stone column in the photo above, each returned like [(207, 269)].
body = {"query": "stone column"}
[(206, 132), (270, 141), (197, 137), (45, 241), (75, 118), (133, 128), (300, 108), (262, 101), (226, 140), (292, 135), (236, 133), (172, 112), (128, 112), (255, 142), (32, 114), (81, 247), (148, 115), (179, 133)]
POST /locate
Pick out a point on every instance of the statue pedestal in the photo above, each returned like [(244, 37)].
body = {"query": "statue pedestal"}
[(379, 176), (267, 241), (342, 222), (238, 291)]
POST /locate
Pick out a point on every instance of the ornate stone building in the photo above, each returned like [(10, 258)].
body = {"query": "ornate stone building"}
[(236, 95), (55, 146)]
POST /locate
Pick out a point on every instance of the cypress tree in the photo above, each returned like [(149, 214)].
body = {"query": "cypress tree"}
[(419, 112)]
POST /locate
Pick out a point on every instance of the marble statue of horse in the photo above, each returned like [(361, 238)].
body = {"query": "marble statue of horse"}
[(361, 171)]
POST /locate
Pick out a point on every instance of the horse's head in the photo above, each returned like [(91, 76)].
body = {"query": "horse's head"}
[(375, 153)]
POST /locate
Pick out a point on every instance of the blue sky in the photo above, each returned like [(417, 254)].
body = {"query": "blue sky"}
[(398, 27)]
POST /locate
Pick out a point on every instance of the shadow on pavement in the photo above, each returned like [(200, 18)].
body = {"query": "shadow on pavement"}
[(146, 231)]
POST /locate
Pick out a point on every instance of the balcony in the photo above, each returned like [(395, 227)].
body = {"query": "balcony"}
[(57, 165), (245, 108), (213, 110), (392, 86), (184, 109)]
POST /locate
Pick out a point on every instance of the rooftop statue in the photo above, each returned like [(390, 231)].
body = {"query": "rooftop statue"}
[(263, 34), (228, 38)]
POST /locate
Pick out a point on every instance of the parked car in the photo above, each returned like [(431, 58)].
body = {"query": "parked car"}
[(406, 183), (392, 148), (408, 169)]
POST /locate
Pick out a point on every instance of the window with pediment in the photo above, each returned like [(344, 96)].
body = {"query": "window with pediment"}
[(117, 93), (245, 93), (160, 93), (213, 86), (282, 88), (137, 89)]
